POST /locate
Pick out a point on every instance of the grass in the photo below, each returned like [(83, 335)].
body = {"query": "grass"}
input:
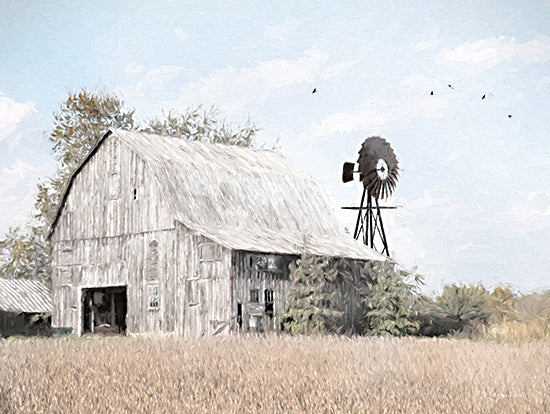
[(519, 332), (272, 374)]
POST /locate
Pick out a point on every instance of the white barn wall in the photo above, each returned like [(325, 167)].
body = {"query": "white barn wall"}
[(102, 235)]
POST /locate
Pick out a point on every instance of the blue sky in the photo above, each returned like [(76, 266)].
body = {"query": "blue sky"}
[(474, 192)]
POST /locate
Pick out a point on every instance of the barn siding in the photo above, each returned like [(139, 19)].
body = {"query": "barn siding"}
[(203, 285), (102, 236)]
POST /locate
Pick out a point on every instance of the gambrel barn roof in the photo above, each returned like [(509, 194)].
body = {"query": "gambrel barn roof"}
[(242, 198), (22, 295)]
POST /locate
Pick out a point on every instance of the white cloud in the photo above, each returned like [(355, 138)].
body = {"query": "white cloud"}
[(134, 68), (337, 69), (160, 86), (17, 189), (22, 147), (230, 88), (367, 117), (233, 89), (526, 212), (180, 34), (375, 117), (426, 230), (486, 53), (12, 115)]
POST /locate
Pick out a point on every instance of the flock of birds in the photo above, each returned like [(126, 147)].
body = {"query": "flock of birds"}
[(483, 97), (431, 94)]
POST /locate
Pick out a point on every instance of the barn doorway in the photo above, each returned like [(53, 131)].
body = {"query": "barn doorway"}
[(268, 300), (104, 310)]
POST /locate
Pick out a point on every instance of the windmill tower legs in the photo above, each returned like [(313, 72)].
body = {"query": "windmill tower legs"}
[(369, 226)]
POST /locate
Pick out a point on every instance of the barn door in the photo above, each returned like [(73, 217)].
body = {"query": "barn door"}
[(195, 315), (104, 310)]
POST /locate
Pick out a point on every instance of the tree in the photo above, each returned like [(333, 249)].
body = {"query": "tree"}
[(308, 306), (202, 125), (25, 254), (388, 308), (81, 121), (464, 303)]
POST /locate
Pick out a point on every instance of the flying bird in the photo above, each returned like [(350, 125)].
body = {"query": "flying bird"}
[(314, 90), (483, 97), (432, 93), (509, 116), (450, 86)]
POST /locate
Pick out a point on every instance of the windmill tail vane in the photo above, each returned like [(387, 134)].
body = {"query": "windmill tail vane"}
[(378, 171)]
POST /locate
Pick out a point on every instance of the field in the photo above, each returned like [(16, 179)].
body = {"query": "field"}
[(272, 374)]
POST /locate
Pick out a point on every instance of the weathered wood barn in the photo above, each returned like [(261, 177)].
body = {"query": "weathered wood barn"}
[(25, 307), (157, 234)]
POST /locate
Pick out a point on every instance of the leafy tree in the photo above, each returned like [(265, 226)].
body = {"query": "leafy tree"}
[(464, 309), (308, 306), (202, 125), (25, 254), (388, 307), (535, 305), (82, 120), (501, 304), (464, 302)]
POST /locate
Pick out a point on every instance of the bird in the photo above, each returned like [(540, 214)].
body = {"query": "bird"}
[(509, 116), (483, 97), (432, 93), (450, 86), (314, 90)]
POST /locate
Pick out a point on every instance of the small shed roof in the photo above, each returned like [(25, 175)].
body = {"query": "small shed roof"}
[(22, 295)]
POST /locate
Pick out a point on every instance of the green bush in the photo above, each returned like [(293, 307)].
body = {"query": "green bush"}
[(388, 308), (308, 307)]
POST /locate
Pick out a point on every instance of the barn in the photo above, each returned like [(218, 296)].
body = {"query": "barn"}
[(25, 307), (157, 234)]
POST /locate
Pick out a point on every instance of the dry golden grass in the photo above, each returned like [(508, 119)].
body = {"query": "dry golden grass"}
[(272, 374), (520, 331)]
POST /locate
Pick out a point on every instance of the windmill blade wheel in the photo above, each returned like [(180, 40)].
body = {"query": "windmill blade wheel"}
[(378, 167)]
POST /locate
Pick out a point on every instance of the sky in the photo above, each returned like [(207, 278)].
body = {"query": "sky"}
[(474, 190)]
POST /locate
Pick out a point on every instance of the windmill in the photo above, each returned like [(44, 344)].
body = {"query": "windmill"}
[(378, 172)]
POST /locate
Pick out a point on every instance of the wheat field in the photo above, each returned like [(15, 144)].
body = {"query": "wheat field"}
[(272, 374)]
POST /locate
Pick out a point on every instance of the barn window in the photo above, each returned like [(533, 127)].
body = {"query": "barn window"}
[(65, 276), (273, 264), (114, 158), (153, 292), (152, 260), (268, 294), (66, 256), (266, 263), (254, 295), (208, 252)]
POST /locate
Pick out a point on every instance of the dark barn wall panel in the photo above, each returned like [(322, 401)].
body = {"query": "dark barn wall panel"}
[(249, 276)]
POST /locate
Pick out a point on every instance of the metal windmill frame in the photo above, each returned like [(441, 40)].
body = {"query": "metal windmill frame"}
[(369, 226)]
